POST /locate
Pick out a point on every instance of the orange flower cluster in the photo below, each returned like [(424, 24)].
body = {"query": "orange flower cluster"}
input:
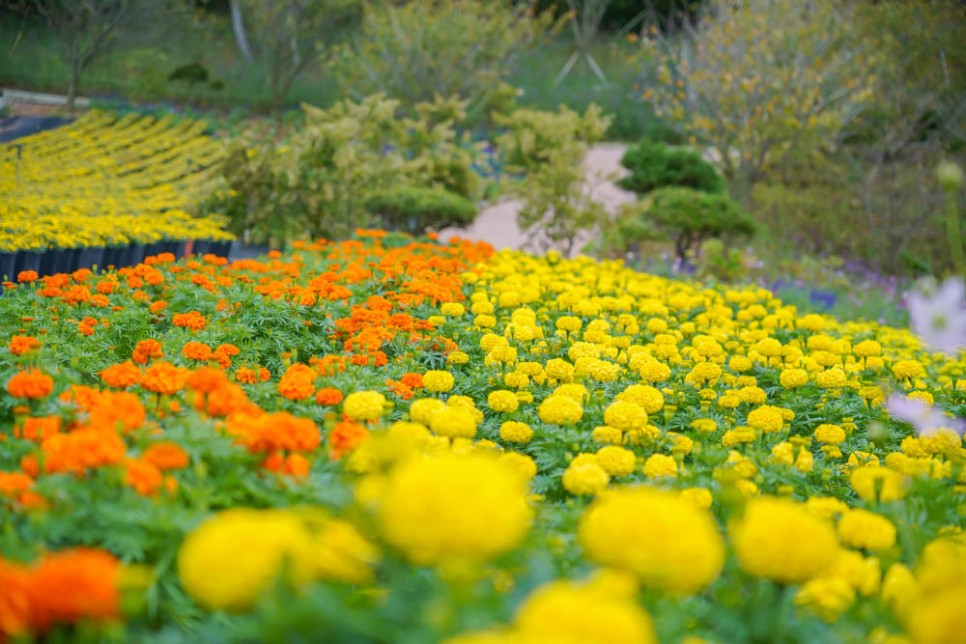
[(145, 350), (122, 375), (298, 382), (192, 320), (62, 588), (31, 384), (21, 344), (344, 437)]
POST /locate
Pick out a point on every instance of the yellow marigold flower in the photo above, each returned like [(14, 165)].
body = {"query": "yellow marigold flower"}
[(704, 425), (937, 618), (652, 371), (767, 418), (793, 378), (565, 611), (740, 364), (680, 444), (752, 394), (438, 381), (738, 435), (729, 401), (863, 529), (522, 463), (585, 477), (656, 325), (458, 357), (943, 441), (831, 378), (490, 341), (666, 541), (863, 574), (569, 323), (780, 540), (648, 398), (515, 432), (625, 416), (481, 307), (434, 509), (703, 373), (607, 434), (484, 321), (826, 507), (452, 309), (502, 354), (559, 370), (342, 554), (503, 401), (273, 542), (874, 483), (898, 587), (867, 348), (517, 380), (830, 434), (421, 411), (827, 597), (616, 461), (364, 405), (658, 465), (699, 497), (908, 369), (453, 422), (560, 410)]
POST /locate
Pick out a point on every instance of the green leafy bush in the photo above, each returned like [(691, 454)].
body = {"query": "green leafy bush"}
[(415, 209), (692, 216), (531, 137), (653, 166)]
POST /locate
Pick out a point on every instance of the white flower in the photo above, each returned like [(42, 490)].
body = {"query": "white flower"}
[(938, 315), (923, 416)]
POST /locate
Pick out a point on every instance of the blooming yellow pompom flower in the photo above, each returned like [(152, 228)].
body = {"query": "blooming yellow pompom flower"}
[(767, 418), (560, 410), (585, 476), (438, 381), (666, 541), (568, 612), (874, 483), (340, 553), (453, 422), (830, 434), (452, 309), (233, 557), (793, 378), (421, 411), (658, 465), (364, 405), (648, 398), (513, 431), (827, 597), (780, 540), (863, 529), (503, 401), (625, 416), (908, 369), (616, 461), (436, 508)]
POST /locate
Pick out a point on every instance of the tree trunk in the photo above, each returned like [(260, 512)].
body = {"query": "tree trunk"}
[(238, 26), (72, 84)]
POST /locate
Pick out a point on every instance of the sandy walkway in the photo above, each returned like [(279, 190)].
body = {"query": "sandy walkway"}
[(496, 223)]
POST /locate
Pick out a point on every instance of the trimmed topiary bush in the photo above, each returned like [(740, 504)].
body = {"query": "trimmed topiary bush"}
[(654, 165), (692, 216), (416, 210)]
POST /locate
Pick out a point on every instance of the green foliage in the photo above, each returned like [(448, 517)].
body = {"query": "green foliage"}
[(428, 48), (316, 182), (531, 137), (692, 216), (653, 165), (418, 209)]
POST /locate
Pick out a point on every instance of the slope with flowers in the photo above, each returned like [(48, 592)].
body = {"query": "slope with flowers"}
[(388, 439)]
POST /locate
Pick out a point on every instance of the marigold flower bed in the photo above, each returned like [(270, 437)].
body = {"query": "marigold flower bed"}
[(387, 439)]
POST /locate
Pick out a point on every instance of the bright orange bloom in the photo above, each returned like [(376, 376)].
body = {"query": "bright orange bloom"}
[(38, 429), (82, 396), (157, 307), (250, 376), (145, 350), (121, 411), (12, 483), (166, 455), (298, 382), (75, 584), (274, 432), (25, 277), (15, 604), (328, 396), (121, 376), (414, 380), (78, 451), (196, 351), (164, 378), (345, 437), (143, 476), (21, 344), (191, 320), (32, 384)]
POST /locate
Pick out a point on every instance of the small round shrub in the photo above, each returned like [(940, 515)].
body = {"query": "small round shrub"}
[(416, 210), (654, 165), (693, 216)]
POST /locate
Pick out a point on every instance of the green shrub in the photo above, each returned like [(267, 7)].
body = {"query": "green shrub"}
[(692, 216), (531, 137), (653, 166), (414, 209)]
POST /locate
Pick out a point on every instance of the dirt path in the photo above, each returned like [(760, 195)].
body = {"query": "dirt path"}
[(497, 224)]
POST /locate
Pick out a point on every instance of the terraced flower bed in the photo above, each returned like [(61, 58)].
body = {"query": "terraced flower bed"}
[(388, 439), (72, 196)]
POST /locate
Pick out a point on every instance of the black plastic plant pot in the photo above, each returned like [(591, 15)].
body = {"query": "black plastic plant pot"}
[(62, 259), (90, 257), (219, 248), (28, 260), (201, 247), (112, 256), (154, 248), (179, 248), (48, 262), (8, 264), (240, 250)]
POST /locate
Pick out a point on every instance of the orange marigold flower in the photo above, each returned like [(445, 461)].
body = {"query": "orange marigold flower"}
[(38, 429), (75, 584), (82, 396), (252, 375), (157, 307), (196, 351), (227, 350), (298, 382), (191, 320), (78, 451), (13, 482), (143, 476), (25, 277), (296, 466), (414, 380), (344, 437), (121, 376), (15, 605), (145, 350), (274, 432), (328, 396), (21, 344), (164, 378), (166, 455), (121, 411), (32, 384)]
